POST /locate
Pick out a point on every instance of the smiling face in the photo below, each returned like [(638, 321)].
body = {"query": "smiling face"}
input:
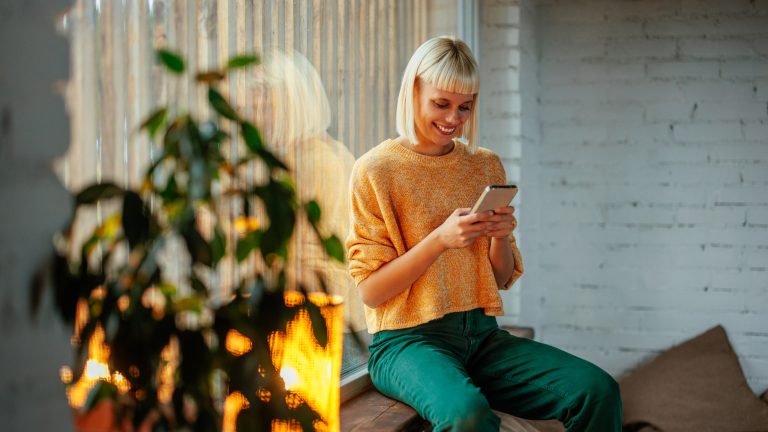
[(439, 116)]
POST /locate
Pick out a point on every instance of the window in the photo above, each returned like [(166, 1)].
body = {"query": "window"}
[(359, 48)]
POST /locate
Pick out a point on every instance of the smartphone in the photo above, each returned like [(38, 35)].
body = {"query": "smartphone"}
[(494, 196)]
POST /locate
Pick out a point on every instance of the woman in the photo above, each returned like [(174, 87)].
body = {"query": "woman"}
[(429, 272)]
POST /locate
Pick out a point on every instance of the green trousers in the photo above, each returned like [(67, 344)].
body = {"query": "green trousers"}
[(454, 370)]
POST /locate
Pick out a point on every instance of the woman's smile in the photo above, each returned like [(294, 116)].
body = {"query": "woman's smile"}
[(445, 130)]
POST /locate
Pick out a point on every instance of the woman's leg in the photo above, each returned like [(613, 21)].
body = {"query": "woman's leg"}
[(428, 375), (536, 381)]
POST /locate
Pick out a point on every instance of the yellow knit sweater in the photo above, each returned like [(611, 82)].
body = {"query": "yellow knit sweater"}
[(398, 197)]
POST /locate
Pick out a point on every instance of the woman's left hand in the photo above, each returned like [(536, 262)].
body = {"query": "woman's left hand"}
[(501, 223)]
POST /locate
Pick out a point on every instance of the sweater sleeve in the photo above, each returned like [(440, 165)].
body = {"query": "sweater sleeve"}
[(499, 177), (369, 245)]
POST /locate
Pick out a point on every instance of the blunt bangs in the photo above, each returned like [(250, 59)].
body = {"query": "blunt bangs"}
[(455, 74)]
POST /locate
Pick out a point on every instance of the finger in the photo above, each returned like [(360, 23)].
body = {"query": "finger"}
[(502, 218), (500, 230), (504, 210), (508, 225), (478, 227), (477, 217), (463, 211)]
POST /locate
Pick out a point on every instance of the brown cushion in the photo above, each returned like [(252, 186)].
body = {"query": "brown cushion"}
[(695, 386)]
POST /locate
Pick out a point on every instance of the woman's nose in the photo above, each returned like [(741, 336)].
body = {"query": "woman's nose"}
[(453, 117)]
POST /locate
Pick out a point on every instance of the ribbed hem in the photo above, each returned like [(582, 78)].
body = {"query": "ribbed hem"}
[(384, 324)]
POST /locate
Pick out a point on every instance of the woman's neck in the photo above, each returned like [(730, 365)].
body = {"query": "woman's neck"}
[(426, 149)]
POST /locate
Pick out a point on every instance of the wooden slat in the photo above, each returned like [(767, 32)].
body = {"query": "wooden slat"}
[(372, 411)]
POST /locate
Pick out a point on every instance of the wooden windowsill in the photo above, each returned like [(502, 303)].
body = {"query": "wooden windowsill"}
[(374, 412)]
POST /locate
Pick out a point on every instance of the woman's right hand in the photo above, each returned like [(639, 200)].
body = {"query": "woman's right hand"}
[(461, 229)]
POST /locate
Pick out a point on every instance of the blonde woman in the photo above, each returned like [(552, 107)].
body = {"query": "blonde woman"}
[(429, 272)]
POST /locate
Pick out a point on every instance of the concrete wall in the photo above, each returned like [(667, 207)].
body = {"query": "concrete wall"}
[(648, 174), (33, 131)]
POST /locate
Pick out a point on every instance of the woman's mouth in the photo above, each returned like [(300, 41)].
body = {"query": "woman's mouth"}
[(445, 130)]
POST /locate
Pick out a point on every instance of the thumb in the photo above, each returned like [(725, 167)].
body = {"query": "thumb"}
[(463, 211)]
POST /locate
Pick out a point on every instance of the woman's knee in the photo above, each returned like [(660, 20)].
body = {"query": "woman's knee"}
[(467, 414), (596, 384), (597, 399)]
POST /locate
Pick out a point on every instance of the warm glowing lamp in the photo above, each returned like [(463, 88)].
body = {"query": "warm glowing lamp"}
[(308, 369)]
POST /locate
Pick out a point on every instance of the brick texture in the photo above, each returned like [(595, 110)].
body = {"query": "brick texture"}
[(643, 166)]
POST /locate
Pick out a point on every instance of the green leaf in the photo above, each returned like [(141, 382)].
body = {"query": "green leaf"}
[(172, 139), (102, 390), (135, 219), (319, 326), (313, 211), (248, 243), (171, 191), (220, 105), (192, 304), (252, 137), (169, 290), (334, 248), (242, 61), (171, 60), (65, 288), (97, 192), (90, 244), (199, 249), (197, 285), (154, 121), (279, 201), (209, 77), (218, 245), (271, 160)]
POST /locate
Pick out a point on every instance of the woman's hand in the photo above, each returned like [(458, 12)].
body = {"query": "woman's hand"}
[(461, 229), (502, 223), (500, 226)]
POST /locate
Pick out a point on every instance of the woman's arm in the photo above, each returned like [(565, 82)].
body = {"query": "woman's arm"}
[(459, 230), (500, 253)]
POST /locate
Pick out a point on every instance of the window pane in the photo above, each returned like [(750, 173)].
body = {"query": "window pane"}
[(358, 48)]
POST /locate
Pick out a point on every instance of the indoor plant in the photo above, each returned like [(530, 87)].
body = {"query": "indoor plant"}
[(174, 357)]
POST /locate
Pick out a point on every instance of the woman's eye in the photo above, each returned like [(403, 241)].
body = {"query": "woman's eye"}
[(464, 108), (441, 106)]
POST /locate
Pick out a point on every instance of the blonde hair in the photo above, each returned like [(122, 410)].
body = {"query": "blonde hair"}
[(448, 64), (291, 103)]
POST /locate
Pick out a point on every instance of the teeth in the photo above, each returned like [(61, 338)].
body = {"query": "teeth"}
[(445, 130)]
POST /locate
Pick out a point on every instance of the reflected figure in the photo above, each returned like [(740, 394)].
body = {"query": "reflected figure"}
[(293, 113)]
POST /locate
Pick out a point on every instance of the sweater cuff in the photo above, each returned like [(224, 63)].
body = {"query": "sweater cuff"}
[(518, 264)]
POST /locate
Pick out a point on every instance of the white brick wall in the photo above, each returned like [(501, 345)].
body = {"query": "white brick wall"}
[(33, 130), (643, 171), (508, 52)]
